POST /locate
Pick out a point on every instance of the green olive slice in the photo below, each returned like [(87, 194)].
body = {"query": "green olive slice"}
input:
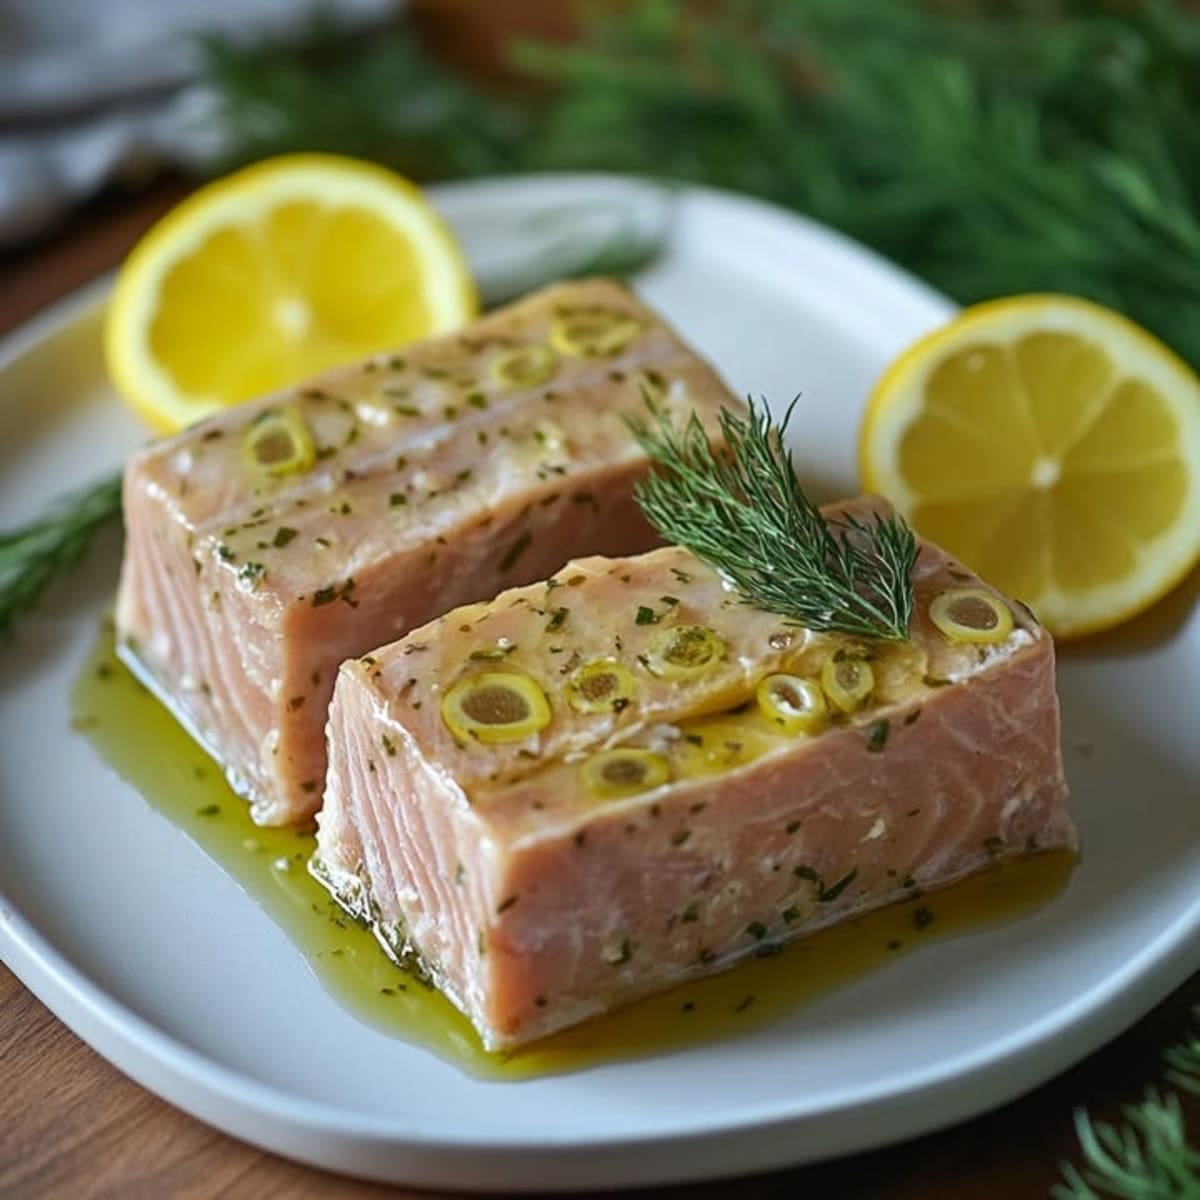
[(795, 704), (278, 442), (684, 652), (495, 707), (626, 771), (847, 682), (602, 685), (971, 615)]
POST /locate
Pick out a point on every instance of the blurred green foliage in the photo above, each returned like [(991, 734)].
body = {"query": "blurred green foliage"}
[(990, 148)]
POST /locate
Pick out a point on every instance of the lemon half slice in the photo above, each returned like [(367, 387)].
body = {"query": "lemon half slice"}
[(274, 274), (1054, 447)]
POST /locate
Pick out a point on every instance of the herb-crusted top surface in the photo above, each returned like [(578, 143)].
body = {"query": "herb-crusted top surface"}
[(613, 618), (295, 492)]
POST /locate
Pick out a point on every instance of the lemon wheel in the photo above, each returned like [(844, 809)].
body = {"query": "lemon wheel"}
[(1053, 446), (273, 274)]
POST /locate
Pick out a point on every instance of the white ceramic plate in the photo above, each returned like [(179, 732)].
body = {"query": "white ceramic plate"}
[(120, 923)]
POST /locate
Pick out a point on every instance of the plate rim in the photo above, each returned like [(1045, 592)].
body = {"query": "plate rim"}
[(301, 1128)]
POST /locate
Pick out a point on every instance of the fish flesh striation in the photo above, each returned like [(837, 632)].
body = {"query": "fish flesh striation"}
[(599, 786), (271, 542)]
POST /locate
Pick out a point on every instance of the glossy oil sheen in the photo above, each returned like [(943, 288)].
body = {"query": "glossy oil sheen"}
[(141, 741)]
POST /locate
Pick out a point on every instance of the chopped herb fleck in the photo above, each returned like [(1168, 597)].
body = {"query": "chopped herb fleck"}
[(397, 500), (323, 596), (252, 573), (505, 905), (514, 552), (209, 810), (557, 618), (491, 654), (757, 930), (627, 949), (922, 918), (646, 615), (877, 737), (828, 894)]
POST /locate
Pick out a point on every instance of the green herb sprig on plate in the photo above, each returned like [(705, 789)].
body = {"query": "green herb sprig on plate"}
[(33, 556), (744, 512)]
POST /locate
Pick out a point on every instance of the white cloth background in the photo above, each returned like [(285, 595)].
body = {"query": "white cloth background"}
[(90, 88)]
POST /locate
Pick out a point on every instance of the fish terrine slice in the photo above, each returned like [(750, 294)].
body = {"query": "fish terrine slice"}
[(597, 787), (271, 542)]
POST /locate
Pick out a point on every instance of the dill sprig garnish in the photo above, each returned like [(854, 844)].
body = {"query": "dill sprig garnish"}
[(33, 556), (744, 512)]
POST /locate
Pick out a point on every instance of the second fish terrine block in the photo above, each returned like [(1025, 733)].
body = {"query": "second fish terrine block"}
[(599, 786), (271, 542)]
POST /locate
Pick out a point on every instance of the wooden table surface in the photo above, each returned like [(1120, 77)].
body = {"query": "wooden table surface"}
[(72, 1126)]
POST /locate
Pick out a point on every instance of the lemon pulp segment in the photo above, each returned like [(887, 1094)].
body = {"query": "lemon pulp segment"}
[(1054, 447)]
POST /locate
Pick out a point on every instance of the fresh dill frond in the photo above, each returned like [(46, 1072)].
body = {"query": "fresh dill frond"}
[(32, 557), (1149, 1157), (377, 95), (992, 148), (743, 511)]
